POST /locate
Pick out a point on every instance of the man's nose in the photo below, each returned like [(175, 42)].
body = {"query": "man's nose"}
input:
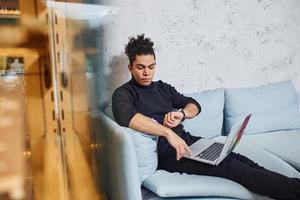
[(146, 71)]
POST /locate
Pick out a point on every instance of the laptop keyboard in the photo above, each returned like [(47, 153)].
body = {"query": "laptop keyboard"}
[(212, 152)]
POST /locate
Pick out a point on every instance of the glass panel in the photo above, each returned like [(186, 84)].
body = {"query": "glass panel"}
[(50, 57), (75, 37)]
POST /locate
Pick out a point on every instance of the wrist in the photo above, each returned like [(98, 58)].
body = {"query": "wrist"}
[(183, 114), (168, 133)]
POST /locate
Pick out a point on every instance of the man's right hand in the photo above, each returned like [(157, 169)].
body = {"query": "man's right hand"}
[(144, 124), (179, 145)]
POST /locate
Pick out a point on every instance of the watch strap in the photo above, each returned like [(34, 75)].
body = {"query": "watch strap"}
[(184, 116)]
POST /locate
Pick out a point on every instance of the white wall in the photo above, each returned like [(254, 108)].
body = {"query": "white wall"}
[(206, 44)]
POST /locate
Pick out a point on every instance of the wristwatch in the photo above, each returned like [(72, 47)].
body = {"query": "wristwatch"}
[(184, 116)]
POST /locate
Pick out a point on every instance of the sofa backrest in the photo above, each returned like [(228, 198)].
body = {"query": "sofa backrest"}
[(210, 121), (273, 107), (298, 94), (119, 175)]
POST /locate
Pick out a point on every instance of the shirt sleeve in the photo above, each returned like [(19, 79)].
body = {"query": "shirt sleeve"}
[(123, 106), (180, 101)]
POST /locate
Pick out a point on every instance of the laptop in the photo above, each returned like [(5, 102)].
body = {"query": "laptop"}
[(212, 152)]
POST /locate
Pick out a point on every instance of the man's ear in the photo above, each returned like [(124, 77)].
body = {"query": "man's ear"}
[(130, 67)]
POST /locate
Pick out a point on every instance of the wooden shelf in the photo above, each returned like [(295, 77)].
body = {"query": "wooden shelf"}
[(10, 16), (9, 9)]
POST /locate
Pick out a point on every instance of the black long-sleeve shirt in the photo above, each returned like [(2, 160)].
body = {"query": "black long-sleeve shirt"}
[(153, 101)]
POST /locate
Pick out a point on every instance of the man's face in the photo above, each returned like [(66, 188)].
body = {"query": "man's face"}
[(142, 69)]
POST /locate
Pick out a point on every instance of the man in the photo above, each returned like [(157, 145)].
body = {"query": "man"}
[(140, 102)]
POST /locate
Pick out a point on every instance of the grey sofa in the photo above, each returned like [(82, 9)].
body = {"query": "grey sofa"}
[(277, 150)]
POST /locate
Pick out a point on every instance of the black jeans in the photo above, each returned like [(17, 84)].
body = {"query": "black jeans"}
[(235, 167)]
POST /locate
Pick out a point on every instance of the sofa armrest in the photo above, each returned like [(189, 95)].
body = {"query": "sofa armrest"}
[(119, 175)]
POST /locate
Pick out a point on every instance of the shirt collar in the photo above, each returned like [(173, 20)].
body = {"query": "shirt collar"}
[(134, 82)]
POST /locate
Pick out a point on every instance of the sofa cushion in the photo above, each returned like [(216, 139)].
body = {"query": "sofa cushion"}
[(273, 107), (209, 122), (284, 144), (167, 184), (145, 148), (148, 195), (146, 151)]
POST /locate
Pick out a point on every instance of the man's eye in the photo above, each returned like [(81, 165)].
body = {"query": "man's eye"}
[(152, 67)]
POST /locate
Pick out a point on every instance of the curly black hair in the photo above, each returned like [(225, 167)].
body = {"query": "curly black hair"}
[(139, 46)]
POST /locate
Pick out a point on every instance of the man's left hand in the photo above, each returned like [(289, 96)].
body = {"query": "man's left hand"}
[(172, 119)]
